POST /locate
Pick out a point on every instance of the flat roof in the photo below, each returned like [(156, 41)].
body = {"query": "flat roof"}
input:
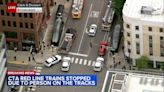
[(144, 83), (132, 9)]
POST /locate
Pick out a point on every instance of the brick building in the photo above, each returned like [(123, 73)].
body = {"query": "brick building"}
[(23, 30)]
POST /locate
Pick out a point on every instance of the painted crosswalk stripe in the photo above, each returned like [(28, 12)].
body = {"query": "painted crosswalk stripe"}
[(72, 59), (39, 68), (85, 62), (76, 61), (81, 60), (93, 63), (89, 62)]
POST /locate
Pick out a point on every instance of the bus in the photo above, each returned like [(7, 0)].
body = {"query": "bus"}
[(59, 12), (116, 37), (77, 7)]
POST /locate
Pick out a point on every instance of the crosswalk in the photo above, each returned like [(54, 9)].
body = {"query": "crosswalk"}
[(38, 70), (82, 61)]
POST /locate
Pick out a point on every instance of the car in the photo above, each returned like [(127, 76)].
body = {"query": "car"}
[(98, 64), (66, 64), (52, 60), (92, 30), (102, 48)]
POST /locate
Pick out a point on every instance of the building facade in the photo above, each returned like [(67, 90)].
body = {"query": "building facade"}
[(144, 30), (23, 30), (3, 67)]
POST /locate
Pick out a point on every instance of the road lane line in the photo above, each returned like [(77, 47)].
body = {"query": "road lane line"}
[(76, 61), (78, 54), (21, 88), (72, 59), (85, 62), (84, 28), (89, 62), (81, 60)]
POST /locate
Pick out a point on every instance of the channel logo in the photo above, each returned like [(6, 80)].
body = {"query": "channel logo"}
[(11, 7)]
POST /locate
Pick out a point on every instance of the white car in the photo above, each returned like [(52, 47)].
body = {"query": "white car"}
[(92, 30), (98, 64), (66, 64), (52, 60)]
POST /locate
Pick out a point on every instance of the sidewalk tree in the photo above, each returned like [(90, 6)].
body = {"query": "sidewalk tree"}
[(142, 62), (118, 6)]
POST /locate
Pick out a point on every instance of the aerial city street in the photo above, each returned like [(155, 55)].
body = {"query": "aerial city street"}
[(119, 41)]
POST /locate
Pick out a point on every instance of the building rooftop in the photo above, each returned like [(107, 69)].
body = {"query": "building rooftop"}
[(145, 83), (146, 10)]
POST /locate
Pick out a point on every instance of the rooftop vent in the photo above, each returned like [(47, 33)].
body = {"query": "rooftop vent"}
[(147, 10)]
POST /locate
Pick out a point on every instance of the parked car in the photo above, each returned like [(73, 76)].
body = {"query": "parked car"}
[(102, 48), (52, 60), (66, 64), (98, 64), (92, 30)]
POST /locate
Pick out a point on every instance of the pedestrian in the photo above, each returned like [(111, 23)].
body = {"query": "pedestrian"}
[(15, 58), (29, 59), (44, 47), (42, 53), (119, 62), (55, 3), (33, 58), (15, 49)]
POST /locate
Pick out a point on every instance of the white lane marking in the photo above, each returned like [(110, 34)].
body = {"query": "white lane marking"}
[(85, 62), (81, 60), (21, 88), (39, 68), (93, 63), (84, 28), (105, 81), (89, 62), (78, 54), (94, 14), (76, 61), (72, 59)]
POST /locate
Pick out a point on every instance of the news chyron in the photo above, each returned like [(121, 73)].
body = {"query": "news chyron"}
[(31, 78), (24, 7)]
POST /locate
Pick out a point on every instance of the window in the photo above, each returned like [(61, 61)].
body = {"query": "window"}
[(9, 23), (26, 25), (12, 0), (162, 46), (21, 24), (3, 23), (13, 14), (30, 15), (20, 14), (137, 36), (14, 24), (32, 26), (150, 28), (1, 2), (2, 12), (127, 26), (6, 1), (10, 34), (128, 34), (8, 14), (137, 48), (137, 27), (161, 30), (150, 45), (25, 15)]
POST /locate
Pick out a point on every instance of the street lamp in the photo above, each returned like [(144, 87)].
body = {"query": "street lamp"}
[(129, 51)]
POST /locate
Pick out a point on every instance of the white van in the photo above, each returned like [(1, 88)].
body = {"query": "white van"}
[(98, 64), (66, 64)]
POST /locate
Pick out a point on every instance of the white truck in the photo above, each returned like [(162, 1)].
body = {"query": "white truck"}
[(67, 42), (108, 17), (66, 64)]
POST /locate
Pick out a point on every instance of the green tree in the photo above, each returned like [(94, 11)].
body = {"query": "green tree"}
[(162, 66), (118, 6), (142, 62)]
